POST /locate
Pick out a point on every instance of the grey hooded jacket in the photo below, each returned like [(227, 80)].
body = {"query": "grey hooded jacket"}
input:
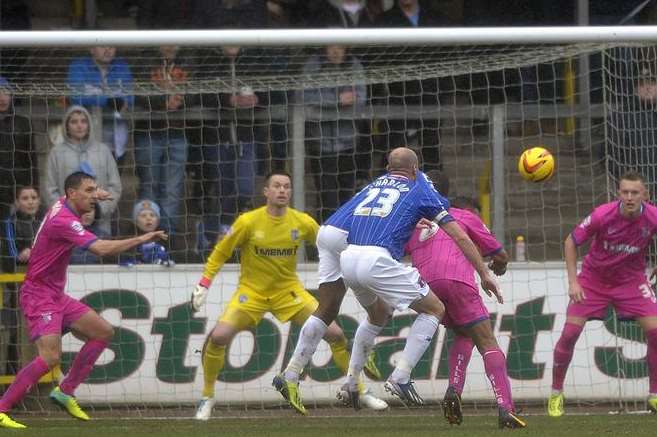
[(89, 156)]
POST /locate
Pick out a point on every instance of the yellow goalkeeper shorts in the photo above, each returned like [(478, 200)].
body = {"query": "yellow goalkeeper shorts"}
[(294, 304)]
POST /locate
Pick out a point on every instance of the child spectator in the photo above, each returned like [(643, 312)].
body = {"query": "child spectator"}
[(20, 228), (146, 215), (17, 233)]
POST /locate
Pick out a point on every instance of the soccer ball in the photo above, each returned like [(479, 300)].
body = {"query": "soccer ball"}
[(536, 164)]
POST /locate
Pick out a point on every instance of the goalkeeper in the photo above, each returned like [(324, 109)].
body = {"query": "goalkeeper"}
[(268, 238)]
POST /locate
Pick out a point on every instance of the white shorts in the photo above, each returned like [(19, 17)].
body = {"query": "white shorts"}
[(331, 241), (371, 272)]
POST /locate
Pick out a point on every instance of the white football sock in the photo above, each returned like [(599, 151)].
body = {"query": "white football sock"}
[(422, 332), (311, 334), (363, 344)]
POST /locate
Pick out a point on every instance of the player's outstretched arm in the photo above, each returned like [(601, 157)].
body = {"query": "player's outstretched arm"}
[(575, 291), (472, 254), (114, 247)]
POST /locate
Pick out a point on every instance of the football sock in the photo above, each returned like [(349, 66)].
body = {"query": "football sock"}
[(422, 332), (459, 358), (563, 353), (495, 366), (311, 334), (213, 361), (651, 338), (340, 354), (82, 365), (363, 344), (25, 379)]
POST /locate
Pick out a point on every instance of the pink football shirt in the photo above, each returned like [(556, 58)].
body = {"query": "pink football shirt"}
[(619, 245), (436, 256), (60, 232)]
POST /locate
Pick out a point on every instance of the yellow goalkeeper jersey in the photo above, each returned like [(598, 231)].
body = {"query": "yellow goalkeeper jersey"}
[(268, 249)]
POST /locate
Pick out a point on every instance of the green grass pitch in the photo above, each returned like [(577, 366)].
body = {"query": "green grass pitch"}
[(386, 424)]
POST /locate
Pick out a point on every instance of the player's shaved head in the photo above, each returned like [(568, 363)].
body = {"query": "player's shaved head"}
[(402, 159)]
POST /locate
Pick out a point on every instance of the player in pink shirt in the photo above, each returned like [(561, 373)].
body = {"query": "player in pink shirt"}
[(452, 278), (613, 273), (49, 311)]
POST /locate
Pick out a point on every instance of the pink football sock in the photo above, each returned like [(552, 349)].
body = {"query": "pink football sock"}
[(82, 365), (563, 353), (25, 379), (459, 358), (495, 365), (651, 338)]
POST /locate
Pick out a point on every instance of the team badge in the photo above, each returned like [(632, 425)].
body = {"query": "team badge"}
[(294, 233), (46, 317), (77, 227), (259, 235), (243, 298), (645, 232)]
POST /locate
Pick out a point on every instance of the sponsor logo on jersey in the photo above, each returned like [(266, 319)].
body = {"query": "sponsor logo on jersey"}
[(275, 251), (620, 248), (427, 233)]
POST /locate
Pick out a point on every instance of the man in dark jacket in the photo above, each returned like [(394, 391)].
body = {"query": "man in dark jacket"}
[(17, 154), (420, 134)]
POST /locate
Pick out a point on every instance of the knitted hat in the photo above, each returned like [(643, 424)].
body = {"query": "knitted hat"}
[(145, 204)]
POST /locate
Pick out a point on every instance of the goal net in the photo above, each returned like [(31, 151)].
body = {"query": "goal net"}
[(195, 129)]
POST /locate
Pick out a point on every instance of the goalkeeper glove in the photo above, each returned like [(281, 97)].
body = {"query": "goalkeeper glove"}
[(199, 295)]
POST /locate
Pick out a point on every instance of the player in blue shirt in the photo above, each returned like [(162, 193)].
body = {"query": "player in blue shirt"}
[(382, 224), (332, 240)]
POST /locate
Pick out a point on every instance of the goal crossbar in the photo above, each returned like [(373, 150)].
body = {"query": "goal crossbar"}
[(298, 37)]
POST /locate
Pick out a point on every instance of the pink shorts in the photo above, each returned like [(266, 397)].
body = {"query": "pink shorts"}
[(463, 304), (47, 315), (631, 301)]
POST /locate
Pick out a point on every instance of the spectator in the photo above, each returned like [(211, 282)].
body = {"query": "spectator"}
[(20, 227), (17, 153), (333, 140), (341, 13), (234, 141), (105, 81), (633, 127), (83, 256), (17, 233), (161, 14), (229, 14), (146, 216), (160, 141), (420, 134), (79, 151)]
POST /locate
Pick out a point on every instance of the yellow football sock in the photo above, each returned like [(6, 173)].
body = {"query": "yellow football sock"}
[(213, 362), (340, 355)]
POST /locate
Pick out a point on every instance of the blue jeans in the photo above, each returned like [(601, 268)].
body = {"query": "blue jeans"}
[(237, 171), (160, 159)]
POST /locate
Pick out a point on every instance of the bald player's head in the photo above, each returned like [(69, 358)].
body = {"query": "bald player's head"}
[(403, 160)]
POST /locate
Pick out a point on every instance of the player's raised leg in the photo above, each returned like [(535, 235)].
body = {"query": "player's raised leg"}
[(49, 353), (97, 333), (430, 310)]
